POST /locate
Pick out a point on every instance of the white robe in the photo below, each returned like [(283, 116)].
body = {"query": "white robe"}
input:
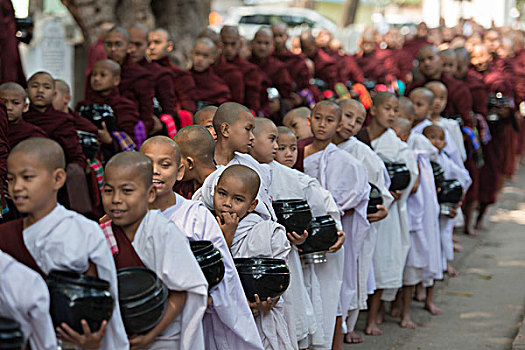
[(256, 237), (24, 297), (228, 323), (164, 249), (454, 130), (393, 240), (450, 148), (347, 180), (377, 175), (66, 240), (452, 172)]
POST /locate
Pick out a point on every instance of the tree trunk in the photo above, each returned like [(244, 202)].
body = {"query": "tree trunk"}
[(349, 12)]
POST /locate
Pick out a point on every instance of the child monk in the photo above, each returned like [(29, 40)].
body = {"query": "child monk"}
[(24, 297), (228, 321), (296, 120), (211, 89), (393, 239), (104, 80), (149, 239), (35, 174), (325, 162), (57, 125), (204, 117), (236, 193), (287, 151), (14, 97), (354, 115)]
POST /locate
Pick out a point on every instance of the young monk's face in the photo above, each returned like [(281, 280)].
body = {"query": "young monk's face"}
[(15, 103), (61, 100), (158, 45), (421, 106), (386, 112), (31, 185), (103, 79), (116, 46), (450, 64), (206, 120), (280, 36), (231, 44), (324, 122), (429, 62), (462, 67), (368, 45), (166, 169), (233, 196), (299, 126), (203, 56), (287, 151), (138, 44), (437, 138), (262, 45), (126, 196), (41, 90), (265, 145), (351, 122), (440, 100), (240, 133)]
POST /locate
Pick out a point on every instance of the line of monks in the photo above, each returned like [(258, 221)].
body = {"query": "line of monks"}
[(263, 109)]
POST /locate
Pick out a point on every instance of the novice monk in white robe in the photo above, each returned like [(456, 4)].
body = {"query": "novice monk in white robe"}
[(55, 238), (24, 297), (324, 161), (228, 322), (393, 240), (141, 238), (353, 118), (235, 193)]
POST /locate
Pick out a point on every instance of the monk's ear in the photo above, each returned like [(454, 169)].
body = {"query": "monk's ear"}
[(190, 164), (170, 46), (225, 130), (309, 120), (152, 195), (67, 96), (180, 171), (253, 205), (26, 106), (373, 111), (59, 178), (116, 80)]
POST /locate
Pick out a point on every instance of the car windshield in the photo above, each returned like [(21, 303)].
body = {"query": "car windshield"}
[(262, 19)]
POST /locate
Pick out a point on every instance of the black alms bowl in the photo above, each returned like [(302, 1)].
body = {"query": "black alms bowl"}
[(451, 192), (399, 176), (89, 144), (374, 199), (262, 278), (439, 174), (294, 214), (322, 234), (210, 261), (11, 338), (142, 297), (98, 113), (75, 296)]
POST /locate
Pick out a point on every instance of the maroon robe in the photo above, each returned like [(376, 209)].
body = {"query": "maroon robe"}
[(301, 144), (412, 46), (183, 84), (21, 130), (95, 53), (252, 76), (184, 188), (60, 127), (373, 67), (459, 99), (127, 255), (398, 63), (347, 68), (82, 124), (163, 85), (4, 151), (232, 76), (210, 88), (126, 113), (325, 68), (275, 75), (10, 63), (296, 66)]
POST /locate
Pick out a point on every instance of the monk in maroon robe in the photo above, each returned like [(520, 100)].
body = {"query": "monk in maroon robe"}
[(58, 125), (275, 73), (10, 63), (369, 61), (325, 67), (412, 46), (4, 152), (346, 65), (398, 62), (162, 76), (252, 75), (159, 47), (136, 82)]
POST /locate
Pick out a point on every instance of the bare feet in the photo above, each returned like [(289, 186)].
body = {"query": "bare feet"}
[(395, 311), (458, 248), (456, 239), (373, 329), (381, 313), (451, 271), (406, 322), (433, 309), (353, 338), (421, 293)]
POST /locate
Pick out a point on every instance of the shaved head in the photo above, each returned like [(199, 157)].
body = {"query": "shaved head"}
[(162, 31), (196, 141), (119, 30), (435, 85), (246, 175), (381, 97), (307, 37), (447, 53), (11, 86), (402, 126), (429, 95), (203, 112), (62, 86), (281, 26), (139, 26), (283, 130), (425, 49), (301, 112), (110, 65), (230, 30), (206, 41), (406, 108), (229, 113), (351, 102), (136, 162), (262, 124), (162, 140), (47, 152), (41, 73), (462, 53), (330, 104), (211, 35), (264, 31)]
